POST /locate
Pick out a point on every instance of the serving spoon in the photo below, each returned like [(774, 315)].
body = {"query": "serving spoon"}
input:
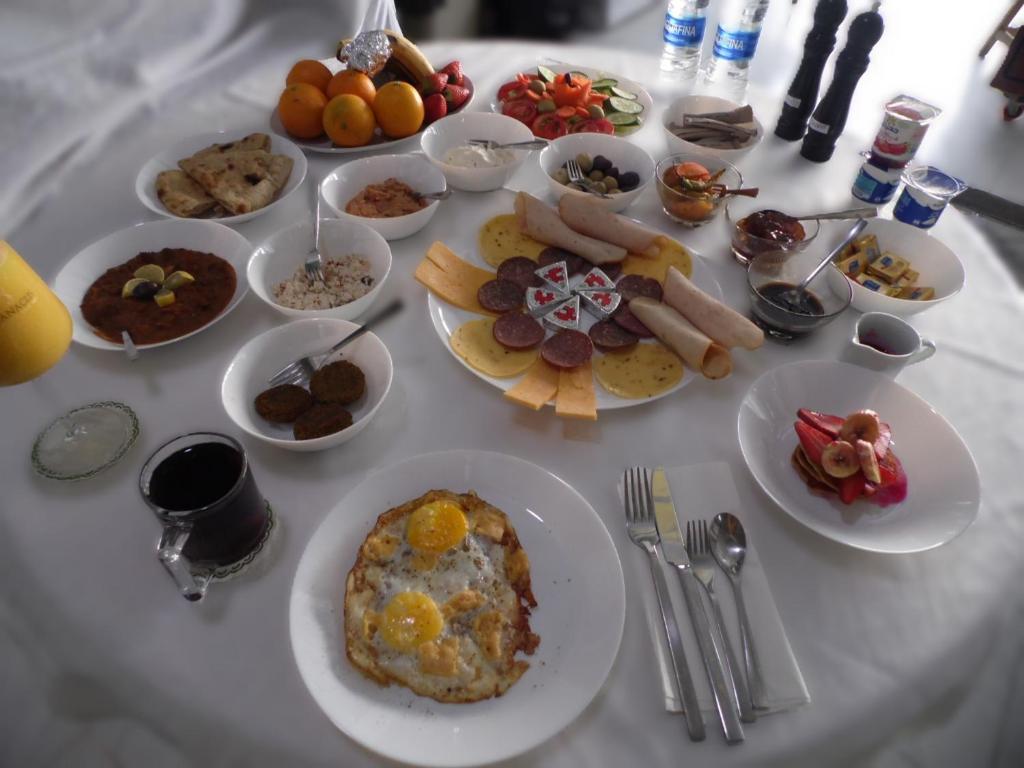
[(795, 298), (729, 548)]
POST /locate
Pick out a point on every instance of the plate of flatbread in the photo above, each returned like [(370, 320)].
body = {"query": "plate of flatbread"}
[(229, 176)]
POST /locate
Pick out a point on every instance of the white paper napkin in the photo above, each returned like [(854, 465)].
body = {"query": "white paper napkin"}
[(701, 491)]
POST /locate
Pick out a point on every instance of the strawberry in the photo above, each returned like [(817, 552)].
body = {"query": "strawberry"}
[(454, 72), (434, 108), (812, 440), (434, 84), (824, 422), (893, 488), (456, 96), (851, 488)]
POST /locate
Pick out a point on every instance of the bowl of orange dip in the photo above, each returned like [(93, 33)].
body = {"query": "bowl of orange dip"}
[(383, 192)]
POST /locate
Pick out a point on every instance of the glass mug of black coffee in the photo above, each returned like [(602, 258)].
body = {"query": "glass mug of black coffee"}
[(201, 488)]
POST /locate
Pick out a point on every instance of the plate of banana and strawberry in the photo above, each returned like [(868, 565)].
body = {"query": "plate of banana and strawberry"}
[(379, 91), (858, 458)]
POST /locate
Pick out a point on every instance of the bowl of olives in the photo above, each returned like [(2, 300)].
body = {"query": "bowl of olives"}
[(615, 171)]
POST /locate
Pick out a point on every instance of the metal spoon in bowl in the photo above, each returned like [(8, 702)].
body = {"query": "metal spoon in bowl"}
[(795, 299), (851, 213), (729, 548), (444, 194), (536, 143)]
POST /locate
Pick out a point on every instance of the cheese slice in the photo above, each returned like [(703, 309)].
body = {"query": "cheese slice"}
[(455, 288), (670, 254), (445, 258), (537, 387), (576, 398)]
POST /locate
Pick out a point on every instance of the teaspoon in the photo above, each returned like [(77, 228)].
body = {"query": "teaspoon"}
[(729, 548)]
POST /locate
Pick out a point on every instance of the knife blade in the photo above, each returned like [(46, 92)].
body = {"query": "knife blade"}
[(990, 206), (672, 547)]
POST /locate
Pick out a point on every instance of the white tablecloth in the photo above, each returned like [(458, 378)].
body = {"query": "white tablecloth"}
[(910, 660)]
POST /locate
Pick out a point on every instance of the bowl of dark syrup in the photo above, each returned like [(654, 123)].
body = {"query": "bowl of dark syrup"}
[(779, 308)]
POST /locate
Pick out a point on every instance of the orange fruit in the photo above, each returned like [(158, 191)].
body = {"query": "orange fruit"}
[(692, 170), (309, 71), (350, 81), (301, 109), (349, 121), (399, 109)]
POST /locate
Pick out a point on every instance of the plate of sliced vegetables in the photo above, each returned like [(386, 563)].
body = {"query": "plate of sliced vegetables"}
[(558, 99)]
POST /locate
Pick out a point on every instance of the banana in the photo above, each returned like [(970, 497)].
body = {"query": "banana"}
[(407, 62)]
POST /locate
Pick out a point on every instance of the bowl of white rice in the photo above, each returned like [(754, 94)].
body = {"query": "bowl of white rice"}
[(356, 262)]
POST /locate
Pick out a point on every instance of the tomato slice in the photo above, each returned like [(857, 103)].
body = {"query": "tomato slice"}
[(512, 90), (549, 126), (593, 126), (522, 110)]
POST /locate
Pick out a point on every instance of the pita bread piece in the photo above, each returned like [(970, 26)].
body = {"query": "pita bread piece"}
[(181, 195), (240, 181), (254, 141)]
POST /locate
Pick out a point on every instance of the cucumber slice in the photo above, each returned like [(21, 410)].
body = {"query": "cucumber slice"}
[(577, 73), (621, 118), (623, 93), (545, 74), (604, 82), (620, 104), (625, 130)]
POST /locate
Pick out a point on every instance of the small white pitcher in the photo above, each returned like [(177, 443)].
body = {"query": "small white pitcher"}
[(886, 343)]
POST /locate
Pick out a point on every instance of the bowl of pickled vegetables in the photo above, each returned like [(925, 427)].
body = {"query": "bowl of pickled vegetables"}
[(694, 188)]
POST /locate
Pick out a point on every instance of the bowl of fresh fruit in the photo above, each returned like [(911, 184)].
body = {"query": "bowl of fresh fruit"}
[(326, 106), (558, 100), (613, 171)]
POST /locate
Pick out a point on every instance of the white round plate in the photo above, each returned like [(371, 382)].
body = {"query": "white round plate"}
[(447, 318), (642, 96), (167, 160), (576, 577), (944, 489), (87, 265), (266, 354), (325, 146)]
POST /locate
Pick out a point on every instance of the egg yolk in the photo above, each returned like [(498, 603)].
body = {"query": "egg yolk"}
[(409, 620), (436, 526)]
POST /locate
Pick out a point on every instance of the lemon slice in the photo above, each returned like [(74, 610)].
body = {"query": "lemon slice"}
[(176, 280), (151, 272), (164, 297), (129, 288)]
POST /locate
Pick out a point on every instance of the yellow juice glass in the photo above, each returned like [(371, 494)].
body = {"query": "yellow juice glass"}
[(35, 327)]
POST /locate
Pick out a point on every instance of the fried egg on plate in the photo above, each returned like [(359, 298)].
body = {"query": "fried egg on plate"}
[(439, 599)]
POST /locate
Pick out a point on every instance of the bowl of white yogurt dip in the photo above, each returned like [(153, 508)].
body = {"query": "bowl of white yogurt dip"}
[(475, 168)]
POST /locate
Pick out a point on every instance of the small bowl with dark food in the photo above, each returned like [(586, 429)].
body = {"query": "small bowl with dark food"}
[(694, 188), (329, 409), (709, 125), (783, 312), (385, 193), (755, 230), (613, 166), (356, 262)]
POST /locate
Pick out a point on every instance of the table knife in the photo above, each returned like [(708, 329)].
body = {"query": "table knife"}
[(990, 206), (722, 685)]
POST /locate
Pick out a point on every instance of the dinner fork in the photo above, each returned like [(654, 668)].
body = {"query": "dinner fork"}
[(698, 547), (537, 143), (576, 176), (300, 371), (642, 532), (314, 262)]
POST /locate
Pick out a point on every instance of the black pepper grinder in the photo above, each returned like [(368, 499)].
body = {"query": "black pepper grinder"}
[(803, 92), (829, 119)]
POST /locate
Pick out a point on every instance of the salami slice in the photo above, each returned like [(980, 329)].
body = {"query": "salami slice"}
[(501, 295), (567, 349), (611, 336), (516, 330), (632, 286), (573, 263), (624, 317), (520, 270)]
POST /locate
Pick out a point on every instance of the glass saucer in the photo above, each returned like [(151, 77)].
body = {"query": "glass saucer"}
[(85, 441)]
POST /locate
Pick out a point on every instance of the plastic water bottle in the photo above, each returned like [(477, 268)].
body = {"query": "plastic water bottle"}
[(739, 27), (683, 35)]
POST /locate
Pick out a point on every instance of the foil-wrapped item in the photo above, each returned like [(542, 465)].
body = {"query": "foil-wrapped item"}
[(367, 52)]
